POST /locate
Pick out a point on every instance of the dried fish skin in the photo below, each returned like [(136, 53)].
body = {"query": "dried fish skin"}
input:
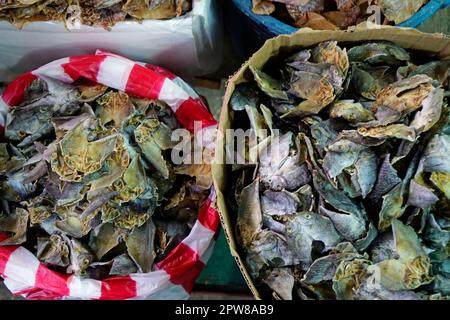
[(140, 243), (392, 207), (435, 69), (332, 196), (323, 132), (300, 10), (263, 7), (351, 111), (133, 182), (412, 269), (280, 280), (442, 182), (72, 222), (244, 95), (318, 81), (131, 219), (435, 154), (421, 196), (11, 159), (80, 257), (369, 289), (366, 172), (377, 187), (39, 214), (307, 228), (343, 19), (269, 85), (378, 53), (16, 224), (399, 131), (403, 97), (152, 138), (154, 9), (104, 238), (114, 107), (347, 276), (53, 251), (80, 156), (36, 122), (327, 70), (49, 9), (279, 203), (305, 5), (330, 52), (106, 17), (300, 56), (431, 111), (122, 265), (340, 155), (269, 249), (322, 269), (249, 215), (369, 81), (31, 122), (280, 166), (18, 3), (84, 190), (315, 89), (100, 13)]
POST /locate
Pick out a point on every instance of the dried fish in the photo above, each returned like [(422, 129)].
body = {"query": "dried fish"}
[(84, 172), (399, 11), (98, 13), (334, 14), (350, 195)]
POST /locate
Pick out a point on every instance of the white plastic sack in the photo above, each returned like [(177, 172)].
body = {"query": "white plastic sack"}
[(189, 45)]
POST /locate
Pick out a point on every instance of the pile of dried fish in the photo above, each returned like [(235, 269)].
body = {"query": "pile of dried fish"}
[(86, 183), (351, 199), (337, 14), (98, 13)]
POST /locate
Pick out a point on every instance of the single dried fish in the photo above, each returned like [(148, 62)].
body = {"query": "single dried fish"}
[(331, 14), (98, 13), (399, 11)]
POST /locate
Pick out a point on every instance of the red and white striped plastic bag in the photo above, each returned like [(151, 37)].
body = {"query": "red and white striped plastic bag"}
[(173, 277)]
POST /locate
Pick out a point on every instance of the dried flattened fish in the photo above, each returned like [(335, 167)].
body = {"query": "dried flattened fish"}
[(53, 251), (263, 7), (140, 244), (351, 111), (307, 230), (249, 215), (269, 85), (87, 183), (379, 53), (374, 222)]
